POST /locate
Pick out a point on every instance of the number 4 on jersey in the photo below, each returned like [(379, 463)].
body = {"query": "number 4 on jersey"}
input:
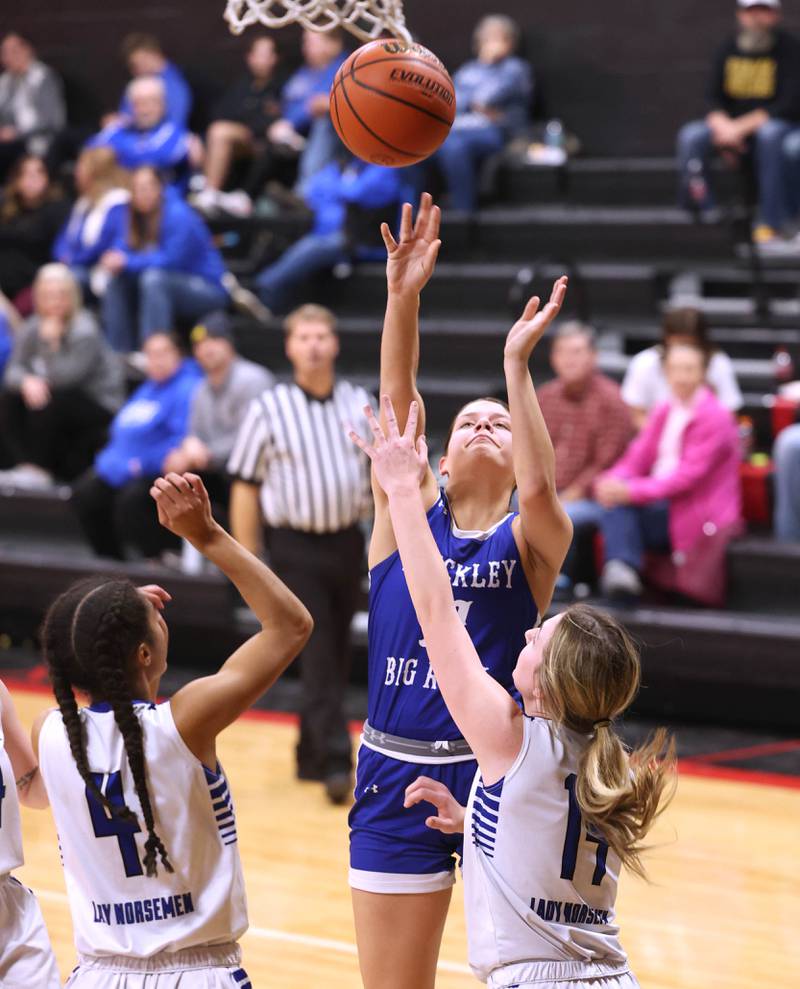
[(572, 839), (109, 826)]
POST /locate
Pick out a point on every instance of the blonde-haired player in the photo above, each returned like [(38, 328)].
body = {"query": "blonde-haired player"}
[(26, 958), (557, 805)]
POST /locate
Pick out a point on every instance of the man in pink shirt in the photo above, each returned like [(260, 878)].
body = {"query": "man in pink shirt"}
[(590, 426)]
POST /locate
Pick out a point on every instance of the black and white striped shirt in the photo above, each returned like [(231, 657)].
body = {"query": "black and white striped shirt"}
[(313, 478)]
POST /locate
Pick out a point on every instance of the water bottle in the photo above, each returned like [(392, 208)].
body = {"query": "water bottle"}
[(554, 134), (782, 366), (746, 438)]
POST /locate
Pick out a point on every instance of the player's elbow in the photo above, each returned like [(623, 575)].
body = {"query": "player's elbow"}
[(302, 627)]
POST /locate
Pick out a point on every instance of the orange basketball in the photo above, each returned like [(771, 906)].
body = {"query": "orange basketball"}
[(392, 103)]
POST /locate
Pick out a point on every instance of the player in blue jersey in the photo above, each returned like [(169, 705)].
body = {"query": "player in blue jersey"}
[(502, 568), (558, 804), (145, 820)]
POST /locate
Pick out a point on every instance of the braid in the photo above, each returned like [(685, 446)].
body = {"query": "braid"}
[(118, 696), (89, 636)]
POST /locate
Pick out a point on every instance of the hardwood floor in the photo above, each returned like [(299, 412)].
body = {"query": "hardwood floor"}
[(720, 912)]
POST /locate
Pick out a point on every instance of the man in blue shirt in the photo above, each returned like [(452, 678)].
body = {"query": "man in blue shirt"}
[(144, 57), (148, 137), (305, 122), (329, 193)]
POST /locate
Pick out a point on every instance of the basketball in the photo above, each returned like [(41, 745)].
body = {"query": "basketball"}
[(392, 103)]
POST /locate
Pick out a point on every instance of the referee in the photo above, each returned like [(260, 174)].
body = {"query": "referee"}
[(298, 479)]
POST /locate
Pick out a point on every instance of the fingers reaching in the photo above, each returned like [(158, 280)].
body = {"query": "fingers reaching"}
[(374, 425), (411, 422), (406, 226), (391, 419), (531, 308), (388, 238)]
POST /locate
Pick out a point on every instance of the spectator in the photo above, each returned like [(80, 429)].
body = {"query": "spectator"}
[(241, 121), (754, 106), (145, 57), (330, 193), (97, 218), (314, 491), (305, 125), (590, 426), (493, 93), (645, 384), (10, 323), (165, 267), (219, 405), (110, 499), (32, 109), (787, 484), (147, 136), (32, 210), (675, 491), (62, 384)]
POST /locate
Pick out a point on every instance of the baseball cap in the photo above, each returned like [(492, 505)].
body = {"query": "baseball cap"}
[(775, 4), (215, 325)]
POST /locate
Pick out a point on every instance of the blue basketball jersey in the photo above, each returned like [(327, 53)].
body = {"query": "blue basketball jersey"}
[(493, 600)]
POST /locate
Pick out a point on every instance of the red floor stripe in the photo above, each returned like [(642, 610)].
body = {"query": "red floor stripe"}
[(691, 766), (751, 751)]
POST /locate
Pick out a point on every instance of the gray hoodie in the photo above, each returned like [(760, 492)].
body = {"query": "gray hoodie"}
[(84, 360)]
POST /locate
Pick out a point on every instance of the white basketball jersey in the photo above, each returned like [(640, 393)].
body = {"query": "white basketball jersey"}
[(537, 886), (116, 908), (10, 824)]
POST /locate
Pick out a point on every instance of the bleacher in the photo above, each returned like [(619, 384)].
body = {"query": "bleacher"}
[(612, 226)]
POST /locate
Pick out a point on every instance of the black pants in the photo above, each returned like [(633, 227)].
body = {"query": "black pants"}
[(324, 571), (62, 438), (123, 522)]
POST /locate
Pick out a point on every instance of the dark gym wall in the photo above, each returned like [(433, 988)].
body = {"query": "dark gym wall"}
[(622, 75)]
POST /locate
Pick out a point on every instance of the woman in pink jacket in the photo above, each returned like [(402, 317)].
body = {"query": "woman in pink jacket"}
[(675, 492)]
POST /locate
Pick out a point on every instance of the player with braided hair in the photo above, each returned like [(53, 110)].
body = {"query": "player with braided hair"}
[(163, 903)]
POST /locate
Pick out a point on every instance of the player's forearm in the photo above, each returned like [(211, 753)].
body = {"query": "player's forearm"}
[(268, 598), (534, 457), (400, 351), (31, 789)]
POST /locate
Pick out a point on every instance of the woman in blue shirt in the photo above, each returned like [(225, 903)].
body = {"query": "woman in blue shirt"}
[(154, 420), (163, 267), (97, 219), (493, 94)]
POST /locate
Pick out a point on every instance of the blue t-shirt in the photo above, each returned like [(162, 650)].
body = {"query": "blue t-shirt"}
[(493, 600)]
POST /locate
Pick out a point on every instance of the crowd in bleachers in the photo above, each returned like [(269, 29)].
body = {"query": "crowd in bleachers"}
[(110, 274)]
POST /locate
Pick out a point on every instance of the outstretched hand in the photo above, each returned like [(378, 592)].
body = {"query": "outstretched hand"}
[(399, 462), (532, 325), (184, 507), (449, 818), (410, 262)]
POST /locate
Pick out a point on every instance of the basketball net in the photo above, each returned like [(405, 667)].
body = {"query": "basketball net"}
[(366, 19)]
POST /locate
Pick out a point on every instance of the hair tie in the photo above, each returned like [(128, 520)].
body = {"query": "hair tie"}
[(605, 723)]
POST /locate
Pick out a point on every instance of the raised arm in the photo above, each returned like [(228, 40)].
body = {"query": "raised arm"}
[(409, 266), (204, 707), (543, 530), (30, 785), (484, 712)]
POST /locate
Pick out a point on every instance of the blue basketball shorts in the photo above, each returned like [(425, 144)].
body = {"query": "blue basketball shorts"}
[(391, 849)]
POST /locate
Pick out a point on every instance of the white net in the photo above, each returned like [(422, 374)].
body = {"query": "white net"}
[(367, 19)]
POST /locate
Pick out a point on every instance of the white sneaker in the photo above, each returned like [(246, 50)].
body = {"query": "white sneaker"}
[(619, 579), (237, 203), (207, 200)]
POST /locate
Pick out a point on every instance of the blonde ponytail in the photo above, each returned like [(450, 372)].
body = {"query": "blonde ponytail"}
[(620, 794), (589, 675)]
